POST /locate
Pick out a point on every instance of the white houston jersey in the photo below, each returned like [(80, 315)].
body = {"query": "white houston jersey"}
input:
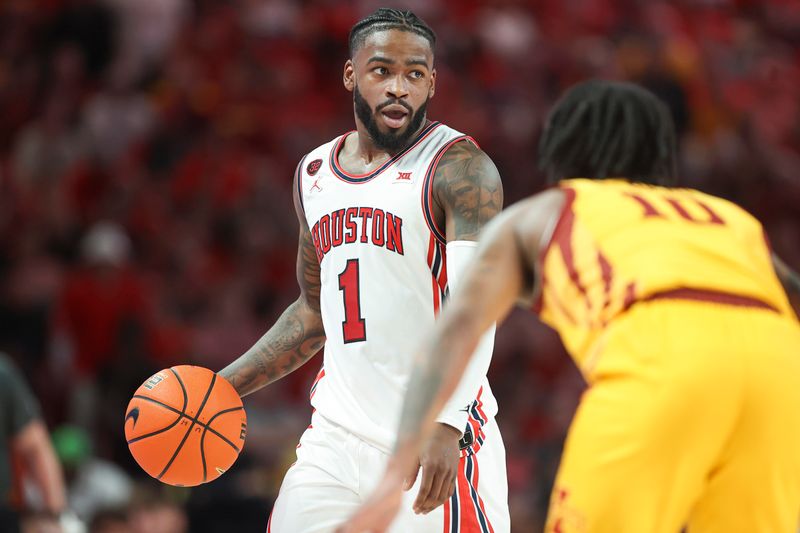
[(383, 273)]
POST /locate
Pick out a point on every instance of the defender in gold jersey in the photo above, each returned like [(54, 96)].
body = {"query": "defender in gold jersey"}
[(669, 303)]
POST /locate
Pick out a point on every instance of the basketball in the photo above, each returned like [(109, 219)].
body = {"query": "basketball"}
[(185, 425)]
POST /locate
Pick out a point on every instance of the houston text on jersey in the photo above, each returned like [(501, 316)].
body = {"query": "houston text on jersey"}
[(358, 224)]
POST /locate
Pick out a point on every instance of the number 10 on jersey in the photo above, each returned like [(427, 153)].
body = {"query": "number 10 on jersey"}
[(354, 326)]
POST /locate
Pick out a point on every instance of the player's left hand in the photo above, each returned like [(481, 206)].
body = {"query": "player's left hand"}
[(439, 463)]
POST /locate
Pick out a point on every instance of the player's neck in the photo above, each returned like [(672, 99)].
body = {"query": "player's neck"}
[(363, 147)]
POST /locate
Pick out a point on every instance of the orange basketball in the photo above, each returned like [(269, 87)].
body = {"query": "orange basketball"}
[(185, 425)]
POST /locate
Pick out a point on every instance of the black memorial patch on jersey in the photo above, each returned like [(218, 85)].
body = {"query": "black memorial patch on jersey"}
[(314, 166)]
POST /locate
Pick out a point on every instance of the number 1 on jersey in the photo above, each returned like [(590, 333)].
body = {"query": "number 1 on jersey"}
[(353, 327)]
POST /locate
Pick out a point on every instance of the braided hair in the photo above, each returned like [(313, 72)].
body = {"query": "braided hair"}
[(388, 19), (604, 129)]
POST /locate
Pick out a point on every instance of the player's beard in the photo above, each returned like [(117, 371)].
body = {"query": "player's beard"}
[(390, 141)]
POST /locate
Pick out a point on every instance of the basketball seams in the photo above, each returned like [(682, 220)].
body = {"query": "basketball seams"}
[(203, 439), (208, 427), (181, 413), (215, 407), (183, 390), (194, 420), (159, 402), (203, 456), (158, 431)]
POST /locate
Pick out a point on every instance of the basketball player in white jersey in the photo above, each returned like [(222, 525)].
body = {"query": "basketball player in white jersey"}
[(389, 215)]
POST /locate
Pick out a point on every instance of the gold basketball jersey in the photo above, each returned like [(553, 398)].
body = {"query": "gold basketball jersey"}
[(617, 243)]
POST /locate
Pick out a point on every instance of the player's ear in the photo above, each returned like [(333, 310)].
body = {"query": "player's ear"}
[(348, 77), (432, 89)]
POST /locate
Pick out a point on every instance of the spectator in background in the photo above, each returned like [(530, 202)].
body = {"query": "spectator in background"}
[(96, 487), (47, 147), (118, 116), (147, 29), (101, 333), (24, 441), (158, 516), (110, 521)]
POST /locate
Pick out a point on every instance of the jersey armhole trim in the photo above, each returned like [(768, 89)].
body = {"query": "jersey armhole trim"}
[(427, 187), (298, 179)]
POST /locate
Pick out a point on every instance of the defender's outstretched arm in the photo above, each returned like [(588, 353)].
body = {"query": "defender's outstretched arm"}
[(492, 285)]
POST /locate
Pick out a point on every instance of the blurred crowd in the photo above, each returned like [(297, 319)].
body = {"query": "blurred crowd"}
[(146, 156)]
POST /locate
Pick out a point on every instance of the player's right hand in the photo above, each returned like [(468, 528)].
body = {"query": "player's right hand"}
[(439, 464), (377, 513)]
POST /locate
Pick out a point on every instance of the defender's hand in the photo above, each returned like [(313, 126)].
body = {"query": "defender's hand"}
[(439, 463), (376, 514)]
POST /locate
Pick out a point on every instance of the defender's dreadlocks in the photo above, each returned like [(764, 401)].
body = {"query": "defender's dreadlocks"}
[(388, 19), (603, 129)]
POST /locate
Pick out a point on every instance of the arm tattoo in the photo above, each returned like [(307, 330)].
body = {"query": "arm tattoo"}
[(468, 191), (292, 341), (308, 269), (296, 336)]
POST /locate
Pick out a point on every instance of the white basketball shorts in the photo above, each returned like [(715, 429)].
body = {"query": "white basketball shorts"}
[(336, 471)]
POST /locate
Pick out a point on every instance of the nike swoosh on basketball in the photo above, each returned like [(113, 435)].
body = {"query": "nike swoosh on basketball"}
[(134, 414)]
